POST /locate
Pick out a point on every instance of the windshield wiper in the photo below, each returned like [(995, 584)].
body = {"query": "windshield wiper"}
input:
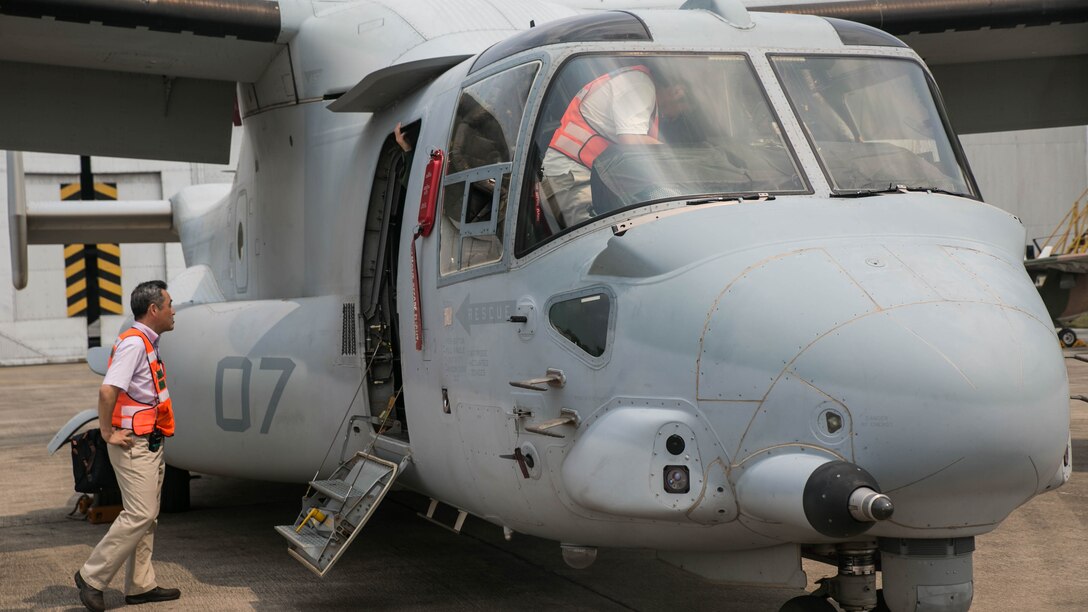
[(740, 197), (621, 228), (939, 190), (864, 193)]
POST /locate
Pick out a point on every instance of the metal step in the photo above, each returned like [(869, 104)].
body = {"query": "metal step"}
[(308, 543), (337, 508), (337, 489)]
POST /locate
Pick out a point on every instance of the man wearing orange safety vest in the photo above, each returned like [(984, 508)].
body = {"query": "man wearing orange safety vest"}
[(617, 107), (135, 414)]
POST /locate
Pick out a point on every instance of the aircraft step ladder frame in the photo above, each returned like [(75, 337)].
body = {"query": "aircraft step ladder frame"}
[(337, 508), (458, 523)]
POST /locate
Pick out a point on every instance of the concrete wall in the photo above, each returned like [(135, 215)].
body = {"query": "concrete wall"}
[(1034, 174), (34, 326)]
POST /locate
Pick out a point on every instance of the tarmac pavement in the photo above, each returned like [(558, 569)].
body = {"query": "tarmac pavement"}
[(224, 555)]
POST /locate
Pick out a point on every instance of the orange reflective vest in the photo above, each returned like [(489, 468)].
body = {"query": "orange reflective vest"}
[(579, 140), (144, 418)]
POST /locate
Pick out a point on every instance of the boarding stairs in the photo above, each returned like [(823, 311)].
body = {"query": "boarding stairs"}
[(334, 510)]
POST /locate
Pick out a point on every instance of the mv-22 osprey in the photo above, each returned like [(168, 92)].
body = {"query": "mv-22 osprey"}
[(781, 323)]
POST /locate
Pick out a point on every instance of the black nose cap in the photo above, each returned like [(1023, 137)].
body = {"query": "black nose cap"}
[(882, 509), (826, 498)]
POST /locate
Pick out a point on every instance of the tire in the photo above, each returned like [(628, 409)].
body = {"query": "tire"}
[(1067, 337), (807, 603)]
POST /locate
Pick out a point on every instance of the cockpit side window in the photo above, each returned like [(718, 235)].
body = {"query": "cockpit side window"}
[(617, 132), (584, 320), (477, 182)]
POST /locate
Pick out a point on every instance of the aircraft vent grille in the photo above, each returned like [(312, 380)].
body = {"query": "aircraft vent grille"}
[(347, 338)]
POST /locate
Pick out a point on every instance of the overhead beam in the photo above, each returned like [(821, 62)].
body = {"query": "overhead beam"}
[(115, 114)]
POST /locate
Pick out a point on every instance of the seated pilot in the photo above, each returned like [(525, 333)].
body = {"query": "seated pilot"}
[(618, 107)]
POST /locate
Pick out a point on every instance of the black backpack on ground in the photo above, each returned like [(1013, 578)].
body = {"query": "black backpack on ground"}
[(91, 463)]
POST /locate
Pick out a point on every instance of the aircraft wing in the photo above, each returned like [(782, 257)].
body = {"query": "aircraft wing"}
[(155, 78), (131, 78), (1076, 263), (1000, 64)]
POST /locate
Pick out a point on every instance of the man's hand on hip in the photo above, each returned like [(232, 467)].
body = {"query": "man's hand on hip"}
[(120, 437)]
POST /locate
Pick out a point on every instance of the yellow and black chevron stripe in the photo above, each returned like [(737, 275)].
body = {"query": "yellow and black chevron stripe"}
[(109, 278), (92, 272), (75, 275)]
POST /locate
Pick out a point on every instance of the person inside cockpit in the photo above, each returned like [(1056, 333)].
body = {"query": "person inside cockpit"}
[(626, 106)]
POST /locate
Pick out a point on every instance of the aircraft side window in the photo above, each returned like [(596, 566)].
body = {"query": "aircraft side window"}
[(477, 182), (584, 320)]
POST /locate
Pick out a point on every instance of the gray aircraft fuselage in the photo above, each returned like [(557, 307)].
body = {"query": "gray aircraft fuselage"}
[(823, 321)]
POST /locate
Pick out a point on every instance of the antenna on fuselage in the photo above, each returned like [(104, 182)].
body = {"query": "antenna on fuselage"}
[(731, 11)]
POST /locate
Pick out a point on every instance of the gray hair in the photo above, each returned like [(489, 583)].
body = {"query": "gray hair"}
[(144, 295)]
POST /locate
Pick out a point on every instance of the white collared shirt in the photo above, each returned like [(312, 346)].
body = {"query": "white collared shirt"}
[(622, 105), (129, 370)]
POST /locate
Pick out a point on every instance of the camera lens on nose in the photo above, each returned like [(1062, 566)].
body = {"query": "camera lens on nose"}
[(677, 479)]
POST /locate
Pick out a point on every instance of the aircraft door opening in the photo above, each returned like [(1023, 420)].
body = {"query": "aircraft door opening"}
[(378, 285)]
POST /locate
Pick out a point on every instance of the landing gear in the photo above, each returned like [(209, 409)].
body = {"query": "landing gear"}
[(1067, 337), (855, 586), (932, 574), (807, 603), (853, 589)]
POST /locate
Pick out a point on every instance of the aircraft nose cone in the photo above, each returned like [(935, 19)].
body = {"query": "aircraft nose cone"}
[(934, 368), (953, 405)]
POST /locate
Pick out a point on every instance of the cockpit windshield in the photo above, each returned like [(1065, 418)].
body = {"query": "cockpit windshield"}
[(621, 131), (873, 124)]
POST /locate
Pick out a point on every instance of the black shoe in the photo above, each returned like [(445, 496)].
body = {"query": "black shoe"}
[(155, 594), (90, 596)]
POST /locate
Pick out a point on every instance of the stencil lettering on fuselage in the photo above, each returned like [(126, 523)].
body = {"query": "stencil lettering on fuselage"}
[(484, 313)]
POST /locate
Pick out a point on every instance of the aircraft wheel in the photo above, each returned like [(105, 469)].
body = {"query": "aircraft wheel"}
[(1067, 336), (807, 603)]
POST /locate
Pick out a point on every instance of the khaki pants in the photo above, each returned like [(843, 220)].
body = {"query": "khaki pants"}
[(132, 535), (570, 197)]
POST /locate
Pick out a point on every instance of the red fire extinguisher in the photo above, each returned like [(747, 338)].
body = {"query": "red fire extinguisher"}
[(428, 205), (428, 200)]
